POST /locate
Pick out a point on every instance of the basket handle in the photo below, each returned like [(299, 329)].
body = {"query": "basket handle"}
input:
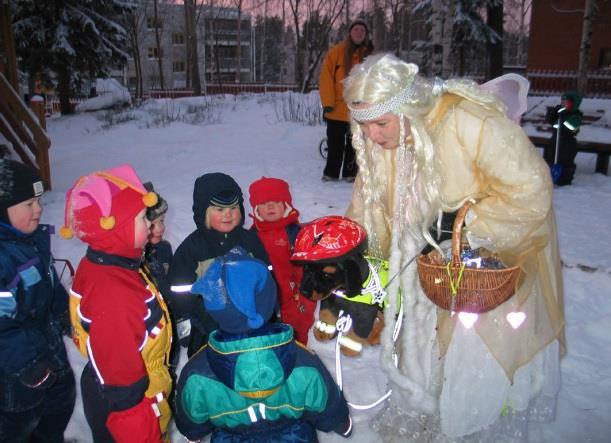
[(457, 232)]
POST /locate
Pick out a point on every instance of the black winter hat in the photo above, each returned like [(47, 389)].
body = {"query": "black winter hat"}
[(18, 183), (156, 211), (215, 189)]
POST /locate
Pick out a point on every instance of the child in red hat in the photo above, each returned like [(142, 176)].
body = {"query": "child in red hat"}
[(120, 321), (277, 225)]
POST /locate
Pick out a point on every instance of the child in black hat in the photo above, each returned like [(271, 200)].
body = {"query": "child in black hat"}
[(158, 252), (253, 382), (218, 213), (37, 390)]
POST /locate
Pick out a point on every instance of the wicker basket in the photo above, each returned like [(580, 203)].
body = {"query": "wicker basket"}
[(478, 290)]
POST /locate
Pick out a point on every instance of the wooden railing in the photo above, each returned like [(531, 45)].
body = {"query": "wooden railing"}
[(24, 131)]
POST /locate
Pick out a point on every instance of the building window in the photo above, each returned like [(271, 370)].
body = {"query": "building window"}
[(178, 38), (153, 52), (178, 67), (151, 23)]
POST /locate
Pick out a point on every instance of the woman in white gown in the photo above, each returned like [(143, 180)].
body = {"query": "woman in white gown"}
[(424, 148)]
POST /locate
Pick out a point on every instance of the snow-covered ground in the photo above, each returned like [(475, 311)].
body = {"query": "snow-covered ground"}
[(250, 142)]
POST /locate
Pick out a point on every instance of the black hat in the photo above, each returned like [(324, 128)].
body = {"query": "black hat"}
[(215, 189), (156, 211), (18, 183)]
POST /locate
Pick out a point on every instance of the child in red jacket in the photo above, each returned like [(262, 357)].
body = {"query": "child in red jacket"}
[(277, 225), (120, 321)]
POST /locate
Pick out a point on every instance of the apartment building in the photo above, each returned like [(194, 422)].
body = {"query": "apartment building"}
[(217, 42)]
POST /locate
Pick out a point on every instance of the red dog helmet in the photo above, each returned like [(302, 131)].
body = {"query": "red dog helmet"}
[(329, 238)]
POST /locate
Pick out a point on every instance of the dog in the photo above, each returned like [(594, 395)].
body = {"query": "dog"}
[(332, 284)]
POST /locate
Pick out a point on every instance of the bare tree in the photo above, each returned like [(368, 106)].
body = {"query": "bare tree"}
[(262, 57), (309, 45), (191, 41), (495, 44), (238, 4), (447, 40), (585, 46), (157, 23), (134, 21), (516, 13), (437, 14)]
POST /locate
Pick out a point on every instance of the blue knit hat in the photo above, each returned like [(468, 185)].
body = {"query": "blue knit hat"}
[(238, 291)]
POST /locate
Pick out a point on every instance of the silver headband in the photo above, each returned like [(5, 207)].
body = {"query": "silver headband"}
[(379, 109), (404, 96)]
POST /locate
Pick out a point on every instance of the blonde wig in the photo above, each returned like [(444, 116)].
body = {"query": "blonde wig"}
[(381, 84)]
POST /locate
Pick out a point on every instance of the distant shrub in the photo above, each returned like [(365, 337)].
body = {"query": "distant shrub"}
[(114, 117), (297, 107)]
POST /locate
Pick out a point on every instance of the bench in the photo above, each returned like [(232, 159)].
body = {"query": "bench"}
[(602, 150)]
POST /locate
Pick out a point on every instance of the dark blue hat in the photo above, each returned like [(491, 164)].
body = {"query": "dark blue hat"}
[(238, 291), (216, 189)]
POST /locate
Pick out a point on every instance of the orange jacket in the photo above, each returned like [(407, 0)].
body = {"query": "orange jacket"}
[(330, 85)]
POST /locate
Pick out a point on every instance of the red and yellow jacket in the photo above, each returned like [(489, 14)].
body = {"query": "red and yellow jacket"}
[(330, 85), (121, 324)]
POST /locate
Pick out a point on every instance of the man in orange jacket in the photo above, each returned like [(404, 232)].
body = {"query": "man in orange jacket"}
[(338, 62)]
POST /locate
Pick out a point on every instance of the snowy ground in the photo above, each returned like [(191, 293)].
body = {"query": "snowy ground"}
[(250, 142)]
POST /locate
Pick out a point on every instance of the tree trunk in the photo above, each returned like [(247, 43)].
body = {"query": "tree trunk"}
[(299, 74), (192, 47), (436, 37), (584, 48), (239, 46), (262, 43), (447, 40), (158, 44), (495, 49), (63, 87), (188, 82), (521, 59)]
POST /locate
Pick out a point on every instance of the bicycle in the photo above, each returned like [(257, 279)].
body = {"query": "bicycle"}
[(323, 148)]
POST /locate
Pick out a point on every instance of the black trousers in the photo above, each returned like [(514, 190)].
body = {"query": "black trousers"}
[(567, 151), (47, 421), (341, 151)]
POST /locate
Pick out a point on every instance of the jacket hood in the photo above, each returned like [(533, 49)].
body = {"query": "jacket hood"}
[(573, 96), (256, 364), (206, 187)]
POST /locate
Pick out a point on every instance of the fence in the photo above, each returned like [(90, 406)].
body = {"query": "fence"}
[(52, 106), (228, 88), (557, 82)]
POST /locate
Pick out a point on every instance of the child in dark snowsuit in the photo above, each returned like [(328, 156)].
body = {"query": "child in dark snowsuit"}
[(253, 382), (277, 224), (218, 213), (120, 320), (566, 120), (158, 252), (37, 388)]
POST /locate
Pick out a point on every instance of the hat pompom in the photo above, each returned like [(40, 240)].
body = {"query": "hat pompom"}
[(107, 223), (66, 233), (150, 199)]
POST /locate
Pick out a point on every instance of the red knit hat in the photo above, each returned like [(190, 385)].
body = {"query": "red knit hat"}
[(269, 189), (102, 204)]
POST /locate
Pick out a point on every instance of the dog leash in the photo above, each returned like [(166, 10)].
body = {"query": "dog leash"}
[(343, 325)]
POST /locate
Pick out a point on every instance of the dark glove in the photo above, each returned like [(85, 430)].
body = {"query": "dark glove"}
[(327, 109), (38, 375)]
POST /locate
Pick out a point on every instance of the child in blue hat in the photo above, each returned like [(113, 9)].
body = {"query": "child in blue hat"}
[(253, 381)]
